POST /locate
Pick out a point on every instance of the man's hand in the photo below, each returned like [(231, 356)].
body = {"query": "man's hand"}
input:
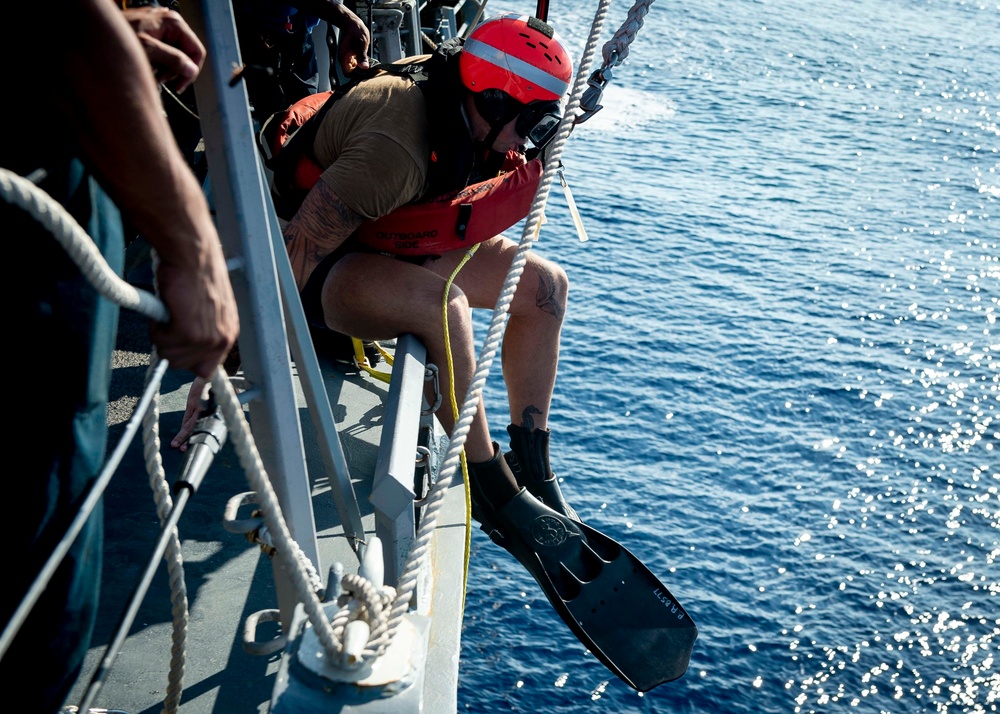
[(354, 39), (197, 394), (203, 322), (173, 49)]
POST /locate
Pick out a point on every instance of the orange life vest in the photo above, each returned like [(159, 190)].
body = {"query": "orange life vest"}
[(453, 220), (456, 220)]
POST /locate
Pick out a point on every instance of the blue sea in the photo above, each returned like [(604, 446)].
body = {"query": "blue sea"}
[(780, 373)]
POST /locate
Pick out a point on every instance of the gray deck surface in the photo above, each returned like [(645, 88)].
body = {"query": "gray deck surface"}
[(228, 578)]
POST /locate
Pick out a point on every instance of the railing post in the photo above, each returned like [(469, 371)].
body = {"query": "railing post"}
[(392, 489)]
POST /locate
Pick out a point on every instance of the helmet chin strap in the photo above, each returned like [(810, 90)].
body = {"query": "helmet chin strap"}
[(485, 144), (491, 138)]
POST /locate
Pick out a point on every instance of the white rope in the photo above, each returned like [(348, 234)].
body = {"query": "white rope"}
[(287, 549), (172, 555), (374, 609), (421, 545), (82, 251), (615, 50), (306, 582)]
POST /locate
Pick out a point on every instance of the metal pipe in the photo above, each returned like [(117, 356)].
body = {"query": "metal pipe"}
[(135, 600)]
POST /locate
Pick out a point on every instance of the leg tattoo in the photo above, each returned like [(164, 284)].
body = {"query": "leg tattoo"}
[(546, 298), (527, 417)]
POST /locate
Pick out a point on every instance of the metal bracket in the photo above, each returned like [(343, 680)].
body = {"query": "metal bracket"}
[(432, 374), (590, 102)]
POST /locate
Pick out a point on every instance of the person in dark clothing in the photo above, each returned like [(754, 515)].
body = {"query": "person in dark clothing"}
[(98, 144), (277, 45)]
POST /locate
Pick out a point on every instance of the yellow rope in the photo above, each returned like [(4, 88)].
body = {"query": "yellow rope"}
[(386, 355), (454, 410), (362, 363)]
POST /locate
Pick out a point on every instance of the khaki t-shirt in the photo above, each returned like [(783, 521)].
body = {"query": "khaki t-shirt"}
[(373, 143)]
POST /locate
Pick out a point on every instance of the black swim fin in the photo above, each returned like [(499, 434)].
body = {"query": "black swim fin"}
[(614, 605)]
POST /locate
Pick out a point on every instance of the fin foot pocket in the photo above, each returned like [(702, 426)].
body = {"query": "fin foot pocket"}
[(528, 460)]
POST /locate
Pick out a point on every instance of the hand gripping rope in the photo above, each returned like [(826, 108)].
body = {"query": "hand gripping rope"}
[(81, 249), (78, 245)]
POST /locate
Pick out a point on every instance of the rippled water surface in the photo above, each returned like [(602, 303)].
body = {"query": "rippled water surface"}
[(780, 378)]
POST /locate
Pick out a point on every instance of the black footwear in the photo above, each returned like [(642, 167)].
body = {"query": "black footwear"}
[(490, 482), (613, 604), (528, 459)]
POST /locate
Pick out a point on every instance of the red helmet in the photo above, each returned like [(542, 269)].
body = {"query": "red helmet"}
[(518, 54)]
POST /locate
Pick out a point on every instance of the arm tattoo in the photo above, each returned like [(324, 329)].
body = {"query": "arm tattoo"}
[(527, 417), (318, 228), (546, 298)]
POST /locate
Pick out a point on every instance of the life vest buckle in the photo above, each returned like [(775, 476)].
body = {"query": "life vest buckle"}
[(464, 216)]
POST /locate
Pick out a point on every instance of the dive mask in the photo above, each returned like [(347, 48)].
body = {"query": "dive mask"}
[(538, 122)]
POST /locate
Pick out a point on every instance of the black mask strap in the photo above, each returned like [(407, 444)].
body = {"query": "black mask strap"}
[(497, 108), (487, 143)]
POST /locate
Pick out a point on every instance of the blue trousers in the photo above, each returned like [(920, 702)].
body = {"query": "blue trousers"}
[(60, 346)]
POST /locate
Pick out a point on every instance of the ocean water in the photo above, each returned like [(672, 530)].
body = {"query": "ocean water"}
[(780, 375)]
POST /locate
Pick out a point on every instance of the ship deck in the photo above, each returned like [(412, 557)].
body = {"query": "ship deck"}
[(228, 578)]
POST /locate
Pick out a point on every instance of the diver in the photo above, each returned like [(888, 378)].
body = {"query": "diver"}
[(405, 138), (471, 110), (391, 141)]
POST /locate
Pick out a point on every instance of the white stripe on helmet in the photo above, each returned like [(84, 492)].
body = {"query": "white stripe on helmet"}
[(528, 72)]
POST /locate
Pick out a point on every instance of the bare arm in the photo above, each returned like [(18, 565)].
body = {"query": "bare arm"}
[(113, 110), (322, 223), (354, 37)]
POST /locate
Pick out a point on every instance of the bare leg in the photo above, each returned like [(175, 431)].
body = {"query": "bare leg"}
[(375, 297), (531, 341), (530, 356)]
